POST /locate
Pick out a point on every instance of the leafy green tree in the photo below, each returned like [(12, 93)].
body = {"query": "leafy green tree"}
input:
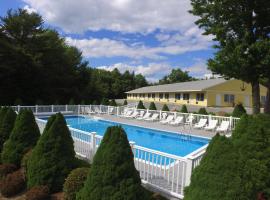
[(3, 111), (113, 174), (53, 157), (238, 27), (176, 76), (113, 103), (105, 102), (140, 81), (71, 102), (152, 106), (239, 110), (95, 102), (23, 137), (140, 105), (165, 108), (238, 165), (202, 111), (6, 126), (184, 109)]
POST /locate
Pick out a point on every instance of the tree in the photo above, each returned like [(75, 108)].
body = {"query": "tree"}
[(239, 110), (202, 111), (140, 105), (3, 111), (184, 109), (105, 102), (125, 102), (237, 26), (165, 108), (238, 165), (53, 157), (6, 126), (23, 137), (176, 76), (152, 106), (113, 103), (113, 174), (140, 81)]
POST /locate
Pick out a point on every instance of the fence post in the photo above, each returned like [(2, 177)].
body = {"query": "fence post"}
[(93, 142), (209, 118), (174, 115), (117, 111), (66, 107), (231, 122), (36, 109), (160, 114), (19, 108), (52, 108), (188, 171), (132, 144), (79, 109), (99, 109)]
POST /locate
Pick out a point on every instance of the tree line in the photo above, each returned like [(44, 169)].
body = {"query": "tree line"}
[(38, 66)]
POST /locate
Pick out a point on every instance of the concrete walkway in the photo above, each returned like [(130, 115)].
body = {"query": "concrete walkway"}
[(182, 129)]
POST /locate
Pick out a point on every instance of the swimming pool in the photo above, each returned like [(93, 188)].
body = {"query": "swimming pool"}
[(167, 142)]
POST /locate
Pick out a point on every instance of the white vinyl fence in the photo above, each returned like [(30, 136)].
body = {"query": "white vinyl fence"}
[(165, 172)]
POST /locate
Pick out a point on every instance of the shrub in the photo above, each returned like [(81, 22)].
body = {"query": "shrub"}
[(53, 157), (22, 138), (202, 111), (237, 165), (74, 182), (105, 102), (165, 108), (157, 196), (95, 102), (13, 184), (83, 102), (25, 159), (152, 106), (71, 102), (125, 102), (113, 174), (6, 126), (78, 163), (239, 110), (113, 103), (140, 105), (3, 111), (184, 109), (6, 169), (38, 193), (222, 113)]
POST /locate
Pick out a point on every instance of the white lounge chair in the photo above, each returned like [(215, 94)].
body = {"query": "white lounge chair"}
[(110, 110), (135, 114), (168, 120), (200, 124), (164, 116), (146, 116), (88, 111), (223, 127), (177, 121), (211, 125), (128, 113), (141, 114), (97, 110), (153, 118), (189, 120)]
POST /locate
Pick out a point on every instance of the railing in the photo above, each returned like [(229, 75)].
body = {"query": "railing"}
[(166, 172)]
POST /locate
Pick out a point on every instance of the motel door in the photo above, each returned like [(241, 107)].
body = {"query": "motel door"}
[(247, 101), (218, 100)]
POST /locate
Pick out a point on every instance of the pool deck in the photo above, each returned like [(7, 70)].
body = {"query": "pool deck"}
[(181, 129)]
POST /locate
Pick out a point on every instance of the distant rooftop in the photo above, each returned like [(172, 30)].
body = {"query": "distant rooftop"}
[(199, 85)]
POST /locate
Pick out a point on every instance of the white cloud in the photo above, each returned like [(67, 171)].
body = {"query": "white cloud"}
[(198, 69), (106, 47), (29, 9), (117, 15), (152, 71)]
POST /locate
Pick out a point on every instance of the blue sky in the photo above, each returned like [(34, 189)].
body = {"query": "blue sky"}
[(145, 36)]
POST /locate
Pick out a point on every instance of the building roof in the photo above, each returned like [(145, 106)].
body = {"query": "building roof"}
[(180, 87)]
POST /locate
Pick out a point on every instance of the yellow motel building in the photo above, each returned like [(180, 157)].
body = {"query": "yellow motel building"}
[(211, 93)]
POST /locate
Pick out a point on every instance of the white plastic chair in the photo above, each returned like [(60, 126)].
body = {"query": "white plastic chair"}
[(201, 123), (168, 120), (177, 121), (153, 118), (212, 125), (146, 116), (223, 127)]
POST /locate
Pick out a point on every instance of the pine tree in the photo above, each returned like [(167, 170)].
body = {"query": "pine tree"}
[(113, 103), (165, 108), (140, 105), (202, 111), (113, 174), (184, 109), (239, 110), (23, 137), (125, 102), (53, 157), (6, 126), (152, 106)]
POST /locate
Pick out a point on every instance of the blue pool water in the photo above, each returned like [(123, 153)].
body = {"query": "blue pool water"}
[(176, 144)]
